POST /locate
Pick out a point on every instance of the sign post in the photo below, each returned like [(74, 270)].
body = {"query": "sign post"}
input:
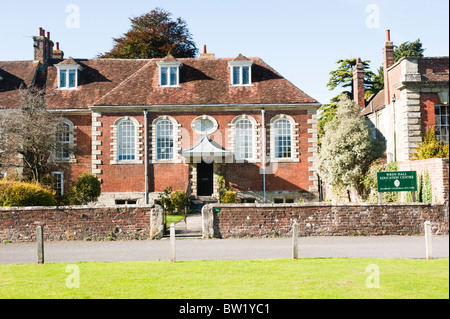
[(405, 181)]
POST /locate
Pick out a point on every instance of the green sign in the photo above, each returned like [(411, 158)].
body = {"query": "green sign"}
[(397, 181), (216, 210)]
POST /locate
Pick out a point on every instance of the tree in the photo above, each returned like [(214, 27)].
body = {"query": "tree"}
[(342, 77), (347, 147), (86, 189), (154, 35), (407, 49), (30, 136)]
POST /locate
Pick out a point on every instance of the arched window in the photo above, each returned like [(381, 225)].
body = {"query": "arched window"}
[(243, 139), (63, 141), (282, 138), (164, 140), (126, 136)]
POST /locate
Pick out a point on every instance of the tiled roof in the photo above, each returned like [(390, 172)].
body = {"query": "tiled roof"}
[(204, 81), (14, 75), (134, 82)]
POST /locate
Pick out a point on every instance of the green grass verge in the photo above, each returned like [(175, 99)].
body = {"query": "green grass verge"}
[(249, 279), (173, 219)]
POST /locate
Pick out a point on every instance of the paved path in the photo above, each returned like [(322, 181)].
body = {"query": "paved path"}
[(226, 249)]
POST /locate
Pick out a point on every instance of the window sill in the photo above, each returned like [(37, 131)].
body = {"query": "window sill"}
[(285, 160), (68, 89), (133, 162), (241, 85), (169, 86)]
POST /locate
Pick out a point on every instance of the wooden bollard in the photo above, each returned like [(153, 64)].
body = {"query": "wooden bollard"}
[(40, 244), (295, 241), (172, 243), (429, 250)]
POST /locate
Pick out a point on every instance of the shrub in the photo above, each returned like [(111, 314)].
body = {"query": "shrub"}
[(13, 193), (86, 190), (179, 200), (370, 185), (228, 197), (431, 147), (173, 202)]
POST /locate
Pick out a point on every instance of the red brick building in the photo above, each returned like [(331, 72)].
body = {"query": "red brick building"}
[(415, 96), (143, 125)]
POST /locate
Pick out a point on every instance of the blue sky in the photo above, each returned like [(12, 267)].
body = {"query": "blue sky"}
[(302, 40)]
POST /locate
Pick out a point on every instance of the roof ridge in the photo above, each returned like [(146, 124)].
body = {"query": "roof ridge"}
[(124, 81)]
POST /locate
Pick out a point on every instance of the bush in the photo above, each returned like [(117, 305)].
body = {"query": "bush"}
[(431, 147), (370, 185), (25, 194), (173, 202), (86, 190), (228, 197), (179, 200)]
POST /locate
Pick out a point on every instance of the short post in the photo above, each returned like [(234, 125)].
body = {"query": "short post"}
[(40, 244), (295, 240), (429, 252), (172, 243)]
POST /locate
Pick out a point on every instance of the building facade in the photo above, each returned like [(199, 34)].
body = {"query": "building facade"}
[(142, 125), (415, 96)]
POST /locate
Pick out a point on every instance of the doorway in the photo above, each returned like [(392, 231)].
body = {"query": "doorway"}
[(205, 179)]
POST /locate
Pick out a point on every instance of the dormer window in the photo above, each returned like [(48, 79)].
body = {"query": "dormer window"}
[(169, 72), (241, 71), (68, 74), (68, 79)]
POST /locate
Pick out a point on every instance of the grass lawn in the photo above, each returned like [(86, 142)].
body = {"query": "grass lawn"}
[(250, 279)]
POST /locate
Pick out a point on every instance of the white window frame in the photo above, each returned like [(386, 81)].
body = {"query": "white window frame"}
[(67, 68), (169, 66), (256, 147), (68, 143), (440, 125), (138, 143), (176, 141), (240, 65), (131, 140), (294, 137), (165, 130), (57, 175), (71, 143)]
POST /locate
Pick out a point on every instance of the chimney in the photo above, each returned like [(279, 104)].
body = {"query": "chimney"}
[(58, 54), (358, 83), (207, 56), (43, 47), (388, 61)]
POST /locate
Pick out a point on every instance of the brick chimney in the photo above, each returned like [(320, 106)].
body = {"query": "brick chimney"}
[(57, 53), (358, 83), (43, 47), (388, 61), (207, 56)]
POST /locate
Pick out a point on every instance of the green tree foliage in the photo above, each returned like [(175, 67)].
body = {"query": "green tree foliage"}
[(14, 193), (87, 189), (407, 49), (430, 147), (342, 77), (154, 35), (369, 183), (347, 147), (173, 202)]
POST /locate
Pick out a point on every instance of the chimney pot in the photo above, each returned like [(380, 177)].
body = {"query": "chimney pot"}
[(388, 35), (57, 46), (41, 31), (204, 50), (48, 35)]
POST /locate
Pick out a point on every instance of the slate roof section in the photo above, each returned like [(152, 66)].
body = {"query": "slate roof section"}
[(15, 74), (135, 82), (204, 82)]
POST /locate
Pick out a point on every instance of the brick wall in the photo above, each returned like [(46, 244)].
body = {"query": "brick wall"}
[(74, 223), (438, 171), (323, 219)]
